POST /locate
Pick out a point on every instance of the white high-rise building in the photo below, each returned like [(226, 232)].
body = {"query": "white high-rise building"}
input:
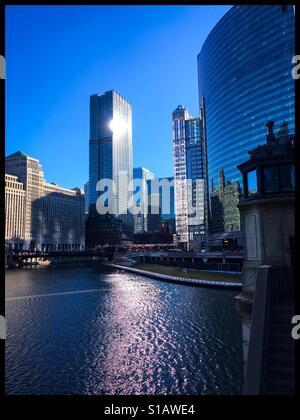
[(14, 212), (190, 179)]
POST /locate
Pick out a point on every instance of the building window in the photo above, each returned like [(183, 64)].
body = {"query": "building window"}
[(271, 179), (252, 183), (287, 177)]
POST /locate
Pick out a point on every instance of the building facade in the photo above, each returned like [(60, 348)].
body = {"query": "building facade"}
[(141, 175), (161, 207), (86, 197), (61, 218), (190, 178), (102, 230), (110, 155), (14, 212), (53, 216), (167, 206), (155, 237), (225, 216), (244, 79), (30, 173)]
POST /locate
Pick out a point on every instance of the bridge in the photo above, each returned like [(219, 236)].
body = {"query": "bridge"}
[(224, 261), (17, 258)]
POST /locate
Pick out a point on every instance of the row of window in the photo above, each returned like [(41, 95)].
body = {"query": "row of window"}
[(277, 178)]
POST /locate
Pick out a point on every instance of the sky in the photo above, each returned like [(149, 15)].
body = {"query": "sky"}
[(57, 56)]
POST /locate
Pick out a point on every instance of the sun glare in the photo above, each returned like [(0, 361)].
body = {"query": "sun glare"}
[(118, 125)]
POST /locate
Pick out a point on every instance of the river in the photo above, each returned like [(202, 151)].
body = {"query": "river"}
[(81, 330)]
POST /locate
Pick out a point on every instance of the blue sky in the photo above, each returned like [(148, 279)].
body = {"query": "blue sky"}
[(57, 56)]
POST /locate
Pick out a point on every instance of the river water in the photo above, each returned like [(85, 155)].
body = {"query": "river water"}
[(80, 330)]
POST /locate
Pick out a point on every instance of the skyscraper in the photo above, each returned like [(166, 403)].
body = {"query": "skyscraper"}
[(30, 174), (141, 219), (161, 212), (86, 197), (110, 153), (167, 212), (225, 215), (190, 178), (244, 77), (14, 211)]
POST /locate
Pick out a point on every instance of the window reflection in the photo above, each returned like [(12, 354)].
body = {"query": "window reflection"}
[(252, 183), (271, 179), (287, 177)]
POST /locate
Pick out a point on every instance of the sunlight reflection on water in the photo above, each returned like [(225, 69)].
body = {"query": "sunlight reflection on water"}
[(128, 335)]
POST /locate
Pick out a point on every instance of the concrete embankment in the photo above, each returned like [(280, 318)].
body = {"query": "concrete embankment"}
[(176, 279)]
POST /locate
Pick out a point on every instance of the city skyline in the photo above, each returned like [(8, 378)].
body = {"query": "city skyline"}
[(63, 88), (159, 256), (107, 157)]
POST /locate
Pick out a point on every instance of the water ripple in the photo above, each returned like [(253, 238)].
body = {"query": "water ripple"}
[(128, 335)]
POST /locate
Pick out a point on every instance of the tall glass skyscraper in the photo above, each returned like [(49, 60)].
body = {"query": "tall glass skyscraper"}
[(167, 217), (244, 76), (142, 175), (110, 151)]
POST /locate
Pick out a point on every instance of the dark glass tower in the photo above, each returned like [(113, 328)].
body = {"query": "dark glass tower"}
[(167, 219), (244, 75), (110, 154), (161, 206)]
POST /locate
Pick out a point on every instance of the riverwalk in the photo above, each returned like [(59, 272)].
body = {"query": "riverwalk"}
[(177, 279)]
